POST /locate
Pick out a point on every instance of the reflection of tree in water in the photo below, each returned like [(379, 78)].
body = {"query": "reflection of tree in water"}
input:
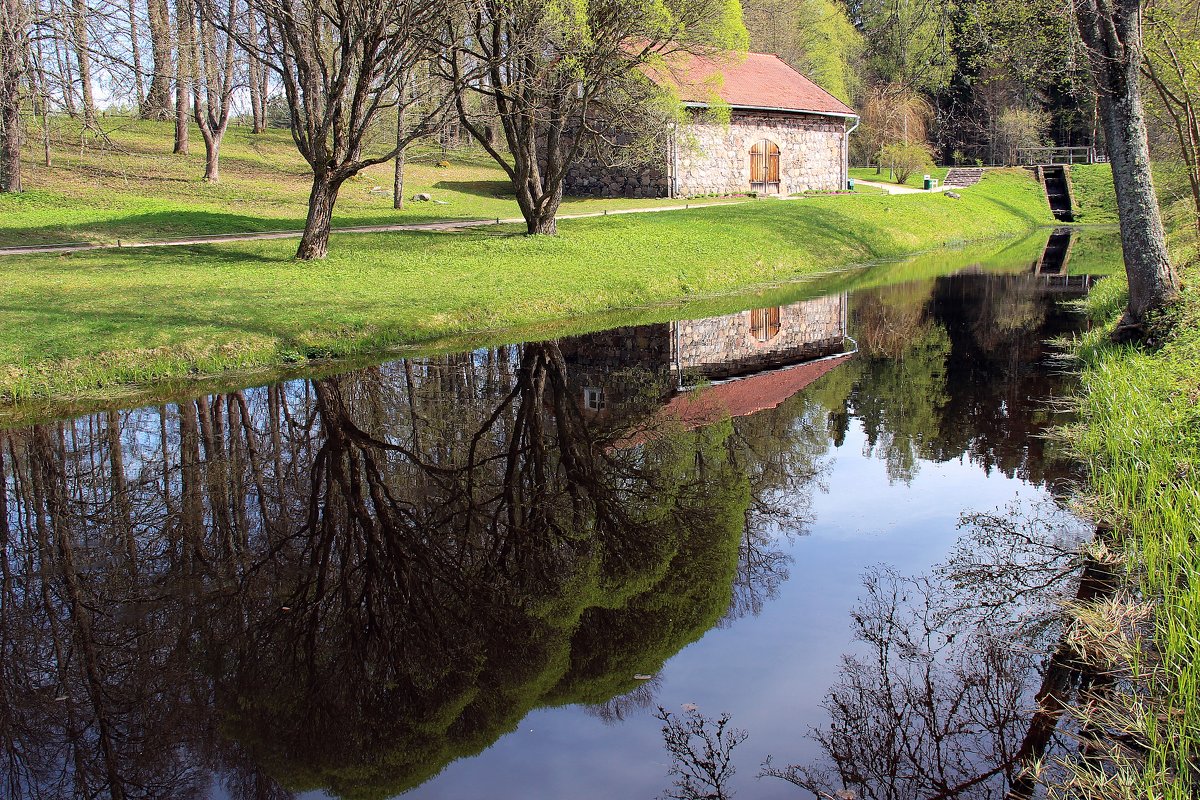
[(903, 377), (781, 452), (343, 583), (957, 366), (351, 581), (962, 675)]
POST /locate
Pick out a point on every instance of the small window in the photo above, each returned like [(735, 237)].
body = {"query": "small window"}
[(593, 399), (764, 323)]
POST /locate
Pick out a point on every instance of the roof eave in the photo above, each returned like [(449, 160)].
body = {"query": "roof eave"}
[(838, 114)]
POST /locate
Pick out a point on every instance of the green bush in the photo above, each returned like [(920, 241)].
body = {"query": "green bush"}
[(905, 159)]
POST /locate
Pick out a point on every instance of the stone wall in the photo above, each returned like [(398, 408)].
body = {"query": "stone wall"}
[(715, 159), (590, 177), (721, 347)]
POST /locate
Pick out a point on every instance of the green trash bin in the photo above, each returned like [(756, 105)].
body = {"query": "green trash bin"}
[(850, 184), (930, 183)]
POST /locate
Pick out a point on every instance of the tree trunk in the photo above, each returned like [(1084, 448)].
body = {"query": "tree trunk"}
[(398, 177), (185, 24), (212, 159), (542, 224), (255, 70), (398, 182), (84, 58), (216, 70), (10, 146), (314, 243), (139, 88), (1112, 33), (539, 208), (12, 45), (158, 99), (66, 75)]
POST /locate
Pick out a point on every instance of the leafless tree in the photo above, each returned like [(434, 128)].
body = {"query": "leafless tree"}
[(83, 56), (339, 64), (550, 75), (213, 85), (701, 751), (256, 73), (185, 13), (158, 98), (14, 21)]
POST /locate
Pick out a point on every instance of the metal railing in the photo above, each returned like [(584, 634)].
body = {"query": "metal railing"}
[(1050, 156)]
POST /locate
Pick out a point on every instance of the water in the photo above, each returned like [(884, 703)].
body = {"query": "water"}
[(481, 574)]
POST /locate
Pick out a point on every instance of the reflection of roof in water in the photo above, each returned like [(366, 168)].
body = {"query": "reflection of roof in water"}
[(746, 396), (739, 397)]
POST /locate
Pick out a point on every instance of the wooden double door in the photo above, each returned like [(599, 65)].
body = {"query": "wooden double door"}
[(764, 166)]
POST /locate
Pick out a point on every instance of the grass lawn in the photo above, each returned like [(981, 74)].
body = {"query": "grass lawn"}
[(916, 181), (129, 186), (98, 320)]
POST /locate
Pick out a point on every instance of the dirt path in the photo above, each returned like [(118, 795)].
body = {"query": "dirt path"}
[(441, 225)]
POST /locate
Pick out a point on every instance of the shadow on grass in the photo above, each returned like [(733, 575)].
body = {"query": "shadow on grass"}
[(145, 227), (501, 190)]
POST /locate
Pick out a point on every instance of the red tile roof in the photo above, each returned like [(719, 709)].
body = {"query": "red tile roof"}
[(758, 81)]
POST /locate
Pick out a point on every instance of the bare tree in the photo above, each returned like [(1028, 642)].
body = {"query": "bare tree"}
[(135, 47), (158, 98), (185, 13), (339, 64), (1112, 33), (1173, 67), (14, 19), (256, 74), (549, 71), (83, 55), (701, 752), (212, 88)]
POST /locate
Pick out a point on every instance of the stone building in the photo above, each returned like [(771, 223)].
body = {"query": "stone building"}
[(784, 135)]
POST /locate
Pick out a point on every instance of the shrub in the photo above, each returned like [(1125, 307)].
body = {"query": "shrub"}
[(905, 159)]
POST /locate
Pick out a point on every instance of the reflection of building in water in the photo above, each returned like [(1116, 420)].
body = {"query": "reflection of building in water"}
[(612, 368)]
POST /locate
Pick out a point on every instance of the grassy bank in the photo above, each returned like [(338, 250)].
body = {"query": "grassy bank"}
[(100, 319), (1140, 438), (1092, 191), (128, 185), (994, 255)]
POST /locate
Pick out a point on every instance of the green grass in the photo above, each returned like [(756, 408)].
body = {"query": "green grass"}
[(100, 320), (1092, 190), (1140, 438), (129, 186), (916, 181)]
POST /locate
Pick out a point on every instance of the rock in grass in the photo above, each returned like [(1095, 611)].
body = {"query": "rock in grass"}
[(953, 195), (421, 197)]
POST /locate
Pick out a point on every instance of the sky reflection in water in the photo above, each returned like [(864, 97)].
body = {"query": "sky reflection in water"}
[(290, 620)]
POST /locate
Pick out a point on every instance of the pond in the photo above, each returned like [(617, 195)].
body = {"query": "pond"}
[(512, 571)]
